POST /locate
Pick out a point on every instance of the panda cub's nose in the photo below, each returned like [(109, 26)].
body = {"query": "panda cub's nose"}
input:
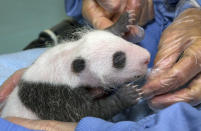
[(146, 59)]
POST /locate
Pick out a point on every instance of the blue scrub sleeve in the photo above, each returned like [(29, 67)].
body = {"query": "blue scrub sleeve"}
[(178, 117), (9, 63), (74, 9)]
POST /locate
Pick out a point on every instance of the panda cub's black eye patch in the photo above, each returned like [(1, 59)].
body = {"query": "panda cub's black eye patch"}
[(119, 60), (78, 65)]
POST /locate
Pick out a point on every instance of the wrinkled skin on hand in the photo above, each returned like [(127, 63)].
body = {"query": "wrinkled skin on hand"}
[(103, 13), (177, 63)]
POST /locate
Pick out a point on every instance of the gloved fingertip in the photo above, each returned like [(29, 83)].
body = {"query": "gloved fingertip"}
[(162, 101), (151, 88)]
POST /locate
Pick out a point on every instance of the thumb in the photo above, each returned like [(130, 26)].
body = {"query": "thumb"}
[(113, 6), (96, 15)]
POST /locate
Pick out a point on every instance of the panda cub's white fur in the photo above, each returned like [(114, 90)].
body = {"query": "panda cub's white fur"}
[(96, 50)]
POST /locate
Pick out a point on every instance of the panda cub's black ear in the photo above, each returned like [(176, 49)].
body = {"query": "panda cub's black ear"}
[(78, 65)]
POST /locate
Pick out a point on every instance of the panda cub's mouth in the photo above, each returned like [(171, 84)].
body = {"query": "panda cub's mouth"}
[(134, 79)]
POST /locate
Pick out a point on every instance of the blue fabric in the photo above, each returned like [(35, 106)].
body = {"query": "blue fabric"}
[(9, 63), (178, 117), (172, 1), (74, 8), (185, 4), (151, 40)]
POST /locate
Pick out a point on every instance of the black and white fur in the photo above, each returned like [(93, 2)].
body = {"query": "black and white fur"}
[(58, 85)]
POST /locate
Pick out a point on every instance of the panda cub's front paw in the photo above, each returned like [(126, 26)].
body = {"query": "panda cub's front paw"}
[(129, 95)]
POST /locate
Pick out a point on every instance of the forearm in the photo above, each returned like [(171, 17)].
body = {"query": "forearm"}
[(8, 126)]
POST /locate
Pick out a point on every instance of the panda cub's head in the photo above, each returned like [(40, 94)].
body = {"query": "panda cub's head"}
[(99, 58)]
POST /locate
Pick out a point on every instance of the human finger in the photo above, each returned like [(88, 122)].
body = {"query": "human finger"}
[(177, 76), (171, 48), (112, 6), (96, 15), (182, 40), (191, 94)]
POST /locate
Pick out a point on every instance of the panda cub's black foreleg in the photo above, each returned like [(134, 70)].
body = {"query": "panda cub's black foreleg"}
[(61, 102), (105, 108)]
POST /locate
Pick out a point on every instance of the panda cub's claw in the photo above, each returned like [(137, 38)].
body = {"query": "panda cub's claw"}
[(128, 95)]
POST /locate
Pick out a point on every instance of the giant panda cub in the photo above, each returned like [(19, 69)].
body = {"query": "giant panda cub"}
[(81, 78)]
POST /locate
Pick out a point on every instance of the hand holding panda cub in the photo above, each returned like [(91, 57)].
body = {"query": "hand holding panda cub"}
[(72, 80)]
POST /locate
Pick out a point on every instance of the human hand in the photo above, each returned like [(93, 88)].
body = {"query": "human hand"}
[(103, 13), (177, 63), (7, 87), (45, 125)]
